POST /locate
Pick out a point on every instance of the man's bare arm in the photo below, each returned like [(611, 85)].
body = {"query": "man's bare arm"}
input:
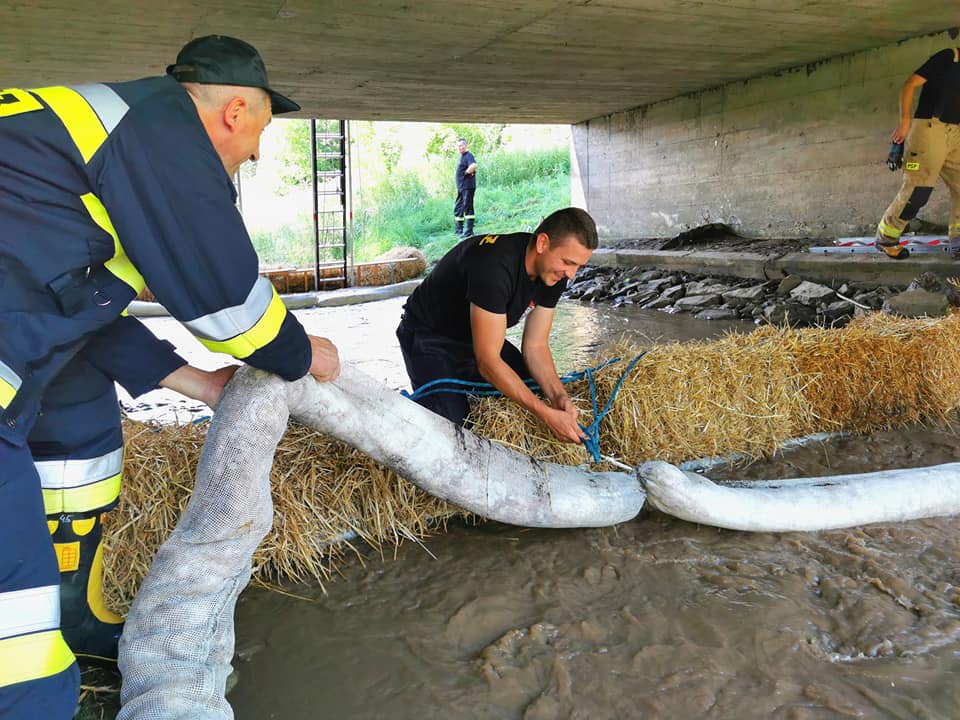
[(203, 385), (489, 331)]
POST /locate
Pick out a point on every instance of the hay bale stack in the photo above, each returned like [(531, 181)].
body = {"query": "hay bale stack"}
[(396, 265), (744, 393), (324, 493), (880, 372)]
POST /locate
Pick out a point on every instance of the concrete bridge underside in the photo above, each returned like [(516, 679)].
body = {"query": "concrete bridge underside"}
[(557, 61), (772, 116)]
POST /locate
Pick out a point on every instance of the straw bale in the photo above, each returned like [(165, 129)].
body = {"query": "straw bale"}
[(326, 496), (743, 393), (880, 371)]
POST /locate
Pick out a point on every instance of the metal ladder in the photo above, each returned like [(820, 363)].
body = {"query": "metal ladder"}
[(331, 201)]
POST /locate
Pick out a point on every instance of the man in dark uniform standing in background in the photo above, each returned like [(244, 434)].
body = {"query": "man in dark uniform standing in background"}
[(466, 187), (454, 325), (932, 149)]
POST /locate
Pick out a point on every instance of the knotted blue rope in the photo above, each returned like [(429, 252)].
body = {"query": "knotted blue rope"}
[(592, 431), (483, 389)]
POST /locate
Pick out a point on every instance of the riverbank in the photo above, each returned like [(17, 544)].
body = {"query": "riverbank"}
[(774, 281)]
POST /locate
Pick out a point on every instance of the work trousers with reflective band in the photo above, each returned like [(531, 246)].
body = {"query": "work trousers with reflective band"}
[(77, 447), (463, 205), (38, 674), (932, 150)]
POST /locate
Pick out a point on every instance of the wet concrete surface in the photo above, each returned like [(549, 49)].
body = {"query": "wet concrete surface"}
[(654, 618)]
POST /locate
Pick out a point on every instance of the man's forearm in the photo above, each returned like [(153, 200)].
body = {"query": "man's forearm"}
[(540, 363), (503, 378)]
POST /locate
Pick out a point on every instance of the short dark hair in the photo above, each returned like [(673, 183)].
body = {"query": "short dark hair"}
[(562, 223), (461, 140)]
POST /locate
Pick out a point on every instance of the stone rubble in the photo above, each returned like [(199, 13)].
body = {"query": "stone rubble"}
[(788, 301)]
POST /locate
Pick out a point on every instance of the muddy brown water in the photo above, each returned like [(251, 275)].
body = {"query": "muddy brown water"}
[(654, 618)]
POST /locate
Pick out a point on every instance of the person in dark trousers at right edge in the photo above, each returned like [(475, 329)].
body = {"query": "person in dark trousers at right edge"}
[(466, 177), (454, 324), (932, 149)]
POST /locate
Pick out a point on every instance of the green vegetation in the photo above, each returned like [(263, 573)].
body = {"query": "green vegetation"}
[(403, 187), (515, 190)]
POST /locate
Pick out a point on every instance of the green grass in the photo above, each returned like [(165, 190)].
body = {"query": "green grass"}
[(515, 191)]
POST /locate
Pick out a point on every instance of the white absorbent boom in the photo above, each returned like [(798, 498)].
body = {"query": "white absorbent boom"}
[(804, 504), (177, 644)]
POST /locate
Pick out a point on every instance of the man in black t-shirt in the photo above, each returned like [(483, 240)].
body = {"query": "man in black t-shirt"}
[(466, 177), (455, 323), (932, 149)]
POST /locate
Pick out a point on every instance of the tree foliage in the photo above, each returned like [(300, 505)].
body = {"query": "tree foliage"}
[(481, 139), (296, 158)]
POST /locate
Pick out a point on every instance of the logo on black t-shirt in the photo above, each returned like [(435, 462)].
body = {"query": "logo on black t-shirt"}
[(488, 240)]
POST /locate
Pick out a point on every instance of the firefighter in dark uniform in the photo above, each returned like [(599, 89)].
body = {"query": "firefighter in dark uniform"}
[(454, 324), (932, 149), (106, 188), (466, 177)]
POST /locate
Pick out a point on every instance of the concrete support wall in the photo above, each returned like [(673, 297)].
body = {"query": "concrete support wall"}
[(796, 154)]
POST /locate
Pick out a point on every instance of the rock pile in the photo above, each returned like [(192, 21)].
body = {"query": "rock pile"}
[(789, 301)]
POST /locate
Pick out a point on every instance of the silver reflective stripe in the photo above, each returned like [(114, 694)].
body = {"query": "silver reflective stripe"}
[(108, 106), (9, 376), (232, 321), (30, 610), (63, 474)]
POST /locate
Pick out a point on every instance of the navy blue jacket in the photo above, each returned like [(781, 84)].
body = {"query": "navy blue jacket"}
[(105, 188)]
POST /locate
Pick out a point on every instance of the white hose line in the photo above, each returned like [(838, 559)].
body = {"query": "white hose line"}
[(453, 464), (805, 504)]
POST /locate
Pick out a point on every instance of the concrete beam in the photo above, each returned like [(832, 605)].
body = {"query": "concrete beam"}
[(558, 61)]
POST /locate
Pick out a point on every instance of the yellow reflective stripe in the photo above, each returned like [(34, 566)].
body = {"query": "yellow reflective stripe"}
[(890, 232), (81, 499), (77, 116), (77, 472), (264, 331), (119, 264), (31, 657), (956, 55), (9, 384), (14, 101), (95, 600), (7, 391)]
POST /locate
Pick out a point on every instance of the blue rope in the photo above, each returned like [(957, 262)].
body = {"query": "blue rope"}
[(592, 431), (482, 389)]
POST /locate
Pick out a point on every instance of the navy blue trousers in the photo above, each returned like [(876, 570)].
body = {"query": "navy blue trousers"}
[(428, 357)]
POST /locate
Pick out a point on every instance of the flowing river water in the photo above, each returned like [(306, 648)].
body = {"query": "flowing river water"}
[(654, 618)]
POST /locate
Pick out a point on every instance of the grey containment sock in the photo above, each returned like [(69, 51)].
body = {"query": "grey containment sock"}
[(178, 641)]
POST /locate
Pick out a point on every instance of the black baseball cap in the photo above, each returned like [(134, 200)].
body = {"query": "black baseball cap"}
[(222, 60)]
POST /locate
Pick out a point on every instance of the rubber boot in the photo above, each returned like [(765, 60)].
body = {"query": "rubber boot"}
[(891, 248), (469, 229), (459, 231), (91, 630)]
